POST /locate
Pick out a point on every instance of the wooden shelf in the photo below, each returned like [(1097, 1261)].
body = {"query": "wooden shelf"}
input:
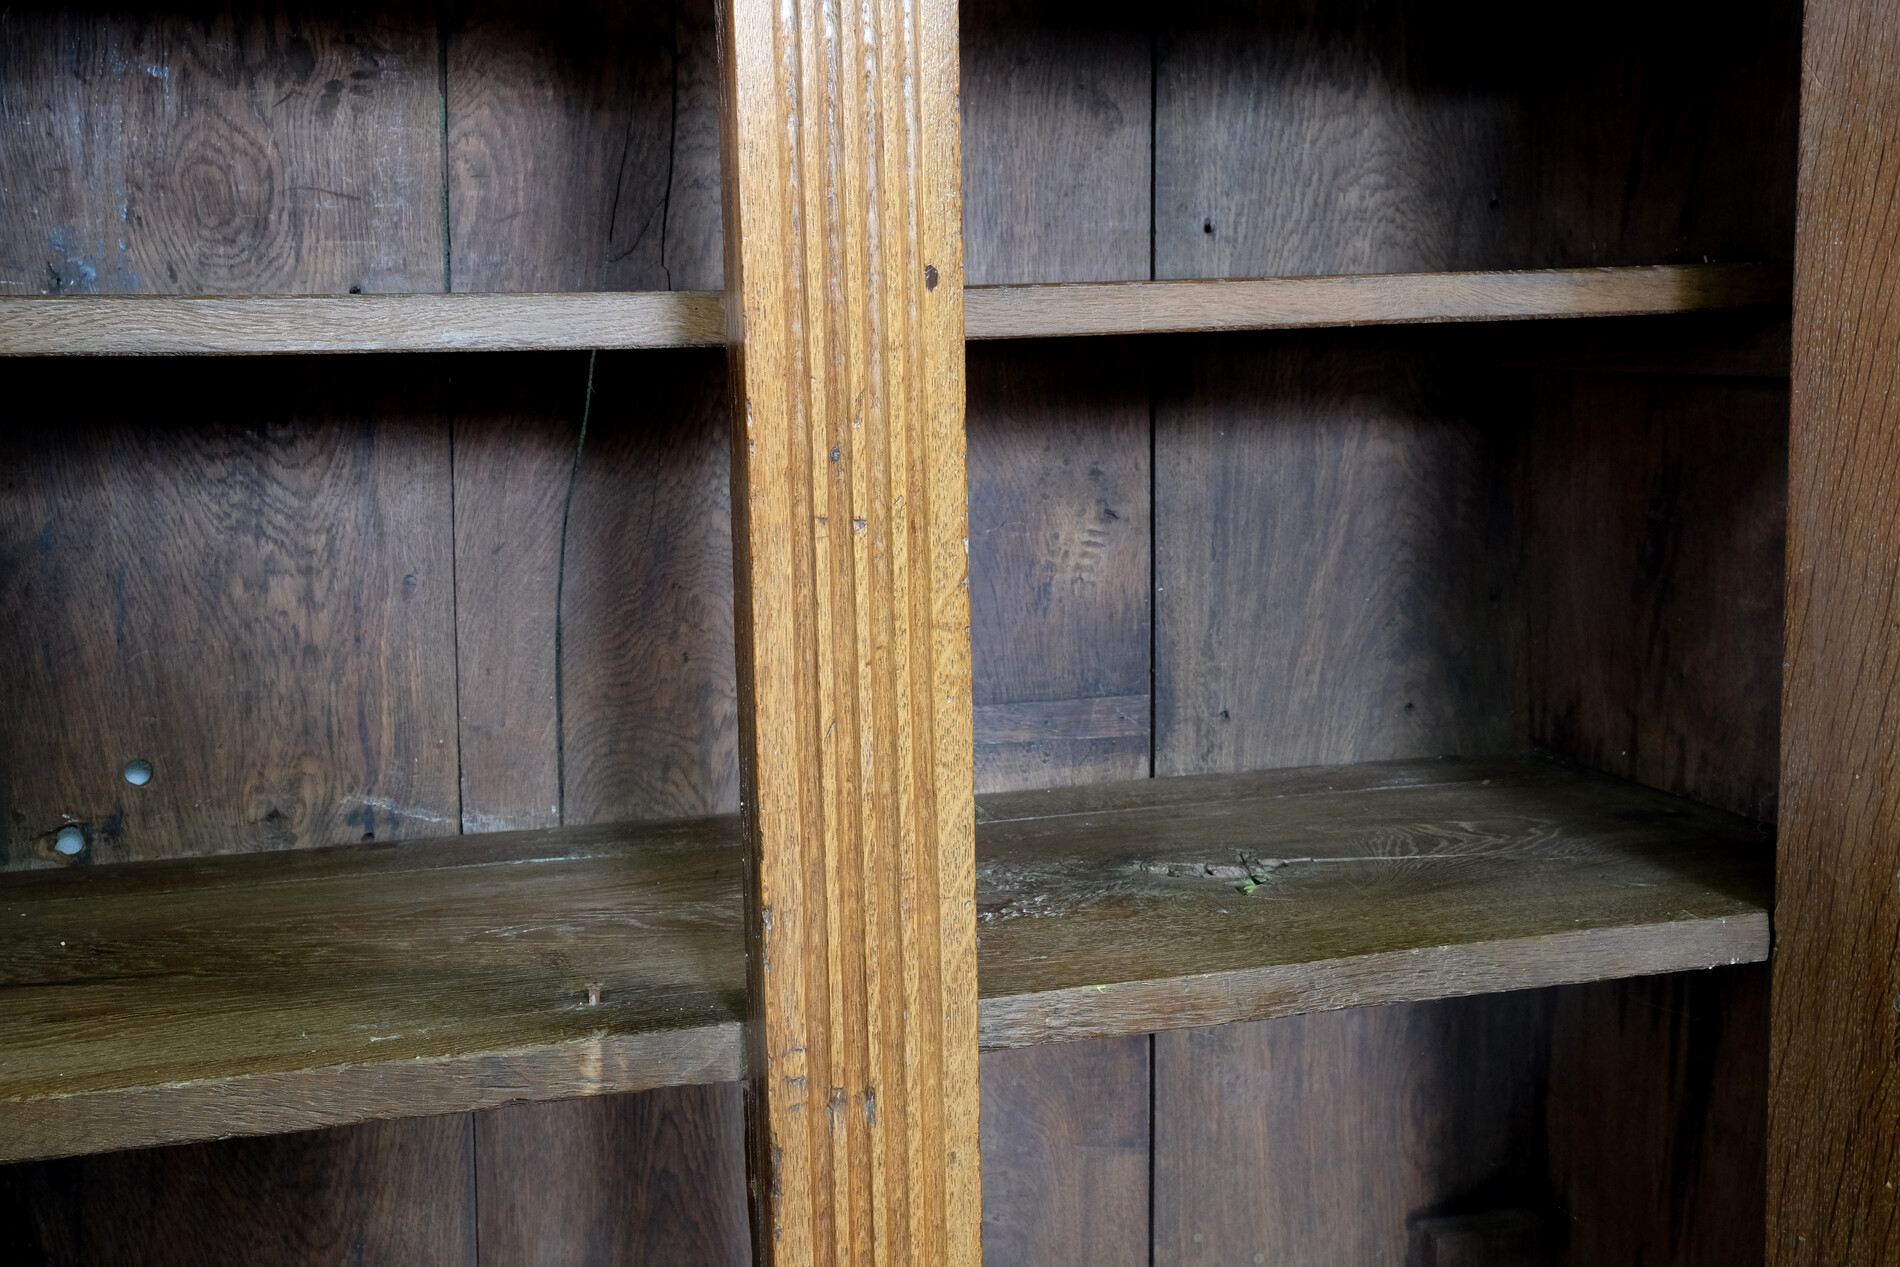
[(149, 1003), (150, 325)]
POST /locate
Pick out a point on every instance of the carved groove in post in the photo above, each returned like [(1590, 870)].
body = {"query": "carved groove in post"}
[(845, 319)]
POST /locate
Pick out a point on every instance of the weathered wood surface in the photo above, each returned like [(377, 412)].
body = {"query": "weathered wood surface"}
[(1668, 492), (1379, 136), (381, 1192), (230, 150), (851, 543), (1834, 1127), (205, 325), (1104, 910), (160, 325), (596, 686), (248, 585), (1333, 572), (1288, 303)]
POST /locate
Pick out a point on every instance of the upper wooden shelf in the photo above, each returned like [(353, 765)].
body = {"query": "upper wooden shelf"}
[(149, 325), (149, 1003)]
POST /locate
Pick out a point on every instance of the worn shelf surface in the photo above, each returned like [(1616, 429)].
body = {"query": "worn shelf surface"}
[(134, 325), (154, 1002)]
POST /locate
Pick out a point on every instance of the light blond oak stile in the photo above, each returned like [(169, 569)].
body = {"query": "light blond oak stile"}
[(845, 323)]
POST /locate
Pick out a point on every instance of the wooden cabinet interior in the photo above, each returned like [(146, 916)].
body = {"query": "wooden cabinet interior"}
[(396, 598)]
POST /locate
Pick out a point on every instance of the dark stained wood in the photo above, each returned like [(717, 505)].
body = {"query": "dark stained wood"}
[(385, 1192), (1056, 104), (265, 149), (1059, 573), (1435, 1111), (1657, 1112), (649, 707), (653, 1178), (1654, 511), (560, 126), (1056, 101), (648, 729), (1104, 911), (583, 146), (1419, 135), (1065, 1154), (242, 574), (1833, 1125), (1332, 568)]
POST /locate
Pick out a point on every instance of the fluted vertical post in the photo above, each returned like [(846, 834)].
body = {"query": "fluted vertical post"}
[(845, 323)]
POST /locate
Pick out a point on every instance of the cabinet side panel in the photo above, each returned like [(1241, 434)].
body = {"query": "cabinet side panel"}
[(1655, 509), (1833, 1120)]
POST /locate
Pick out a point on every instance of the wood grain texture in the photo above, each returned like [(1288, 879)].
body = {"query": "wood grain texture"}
[(654, 319), (245, 325), (1657, 1116), (225, 150), (1059, 563), (1438, 1113), (1418, 135), (1106, 910), (845, 309), (1065, 1154), (1833, 1126), (247, 584), (564, 145), (386, 1192), (652, 1178), (1333, 571), (1655, 525), (648, 729), (1288, 303), (1056, 109)]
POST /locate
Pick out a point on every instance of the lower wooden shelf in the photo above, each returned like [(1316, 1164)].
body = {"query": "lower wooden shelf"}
[(153, 1003)]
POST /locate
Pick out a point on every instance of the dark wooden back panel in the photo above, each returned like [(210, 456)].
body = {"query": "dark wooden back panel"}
[(588, 644)]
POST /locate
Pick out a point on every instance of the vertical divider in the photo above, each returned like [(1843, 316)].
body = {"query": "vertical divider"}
[(845, 328)]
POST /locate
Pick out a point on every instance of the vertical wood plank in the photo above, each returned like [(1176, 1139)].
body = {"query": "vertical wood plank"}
[(1056, 112), (654, 1178), (1059, 549), (250, 587), (239, 150), (1833, 1124), (1658, 1109), (844, 283), (1400, 135), (1056, 118), (559, 144), (1333, 569), (1430, 1109), (629, 533), (1065, 1154)]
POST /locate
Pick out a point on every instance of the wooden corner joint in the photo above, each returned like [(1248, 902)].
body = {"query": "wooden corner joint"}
[(845, 295)]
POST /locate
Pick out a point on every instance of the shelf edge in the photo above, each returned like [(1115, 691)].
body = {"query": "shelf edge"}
[(244, 325)]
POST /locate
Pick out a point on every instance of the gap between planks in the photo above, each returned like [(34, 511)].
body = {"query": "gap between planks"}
[(167, 325)]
